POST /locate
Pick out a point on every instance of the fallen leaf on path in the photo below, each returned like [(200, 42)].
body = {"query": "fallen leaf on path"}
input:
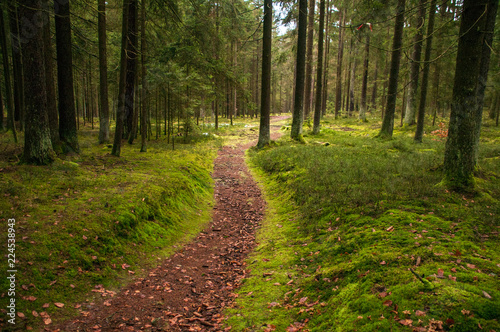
[(59, 304), (387, 303), (406, 322), (486, 295)]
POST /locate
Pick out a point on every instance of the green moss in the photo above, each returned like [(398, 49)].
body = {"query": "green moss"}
[(355, 217)]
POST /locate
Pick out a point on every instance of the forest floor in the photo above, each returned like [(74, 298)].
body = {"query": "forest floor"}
[(193, 287)]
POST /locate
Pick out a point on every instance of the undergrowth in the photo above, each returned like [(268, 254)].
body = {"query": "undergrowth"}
[(93, 221), (350, 216)]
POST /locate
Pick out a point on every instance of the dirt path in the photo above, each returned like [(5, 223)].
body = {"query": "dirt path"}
[(191, 289)]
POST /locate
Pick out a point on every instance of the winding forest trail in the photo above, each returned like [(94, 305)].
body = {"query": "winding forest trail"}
[(191, 289)]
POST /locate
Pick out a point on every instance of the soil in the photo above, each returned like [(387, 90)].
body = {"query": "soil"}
[(190, 290)]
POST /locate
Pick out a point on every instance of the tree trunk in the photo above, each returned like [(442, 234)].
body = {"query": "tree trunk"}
[(419, 132), (67, 112), (6, 73), (364, 86), (492, 8), (298, 115), (131, 67), (120, 111), (309, 58), (327, 52), (338, 90), (103, 74), (17, 64), (37, 144), (265, 106), (49, 80), (375, 86), (459, 158), (144, 90), (319, 69), (388, 121), (411, 101)]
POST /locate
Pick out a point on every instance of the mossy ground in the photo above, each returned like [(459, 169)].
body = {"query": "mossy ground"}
[(349, 215), (94, 219)]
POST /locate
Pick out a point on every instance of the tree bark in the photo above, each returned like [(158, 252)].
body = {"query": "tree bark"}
[(419, 132), (411, 101), (37, 144), (298, 115), (309, 58), (327, 52), (459, 157), (67, 113), (120, 111), (265, 106), (103, 74), (388, 121)]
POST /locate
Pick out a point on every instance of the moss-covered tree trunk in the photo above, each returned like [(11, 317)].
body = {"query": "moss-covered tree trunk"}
[(298, 109), (388, 121), (265, 106), (103, 74), (459, 157), (67, 112), (37, 144), (419, 132), (319, 69), (411, 101)]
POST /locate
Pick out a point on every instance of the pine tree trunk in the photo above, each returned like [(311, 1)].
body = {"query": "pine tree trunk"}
[(103, 74), (491, 15), (319, 69), (375, 86), (338, 89), (67, 112), (419, 132), (309, 58), (364, 86), (37, 144), (6, 72), (17, 64), (388, 121), (327, 52), (120, 111), (298, 108), (265, 106), (131, 68), (459, 158), (411, 101), (49, 80), (144, 89)]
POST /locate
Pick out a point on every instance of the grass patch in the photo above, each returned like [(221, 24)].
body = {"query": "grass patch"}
[(94, 219), (347, 221)]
